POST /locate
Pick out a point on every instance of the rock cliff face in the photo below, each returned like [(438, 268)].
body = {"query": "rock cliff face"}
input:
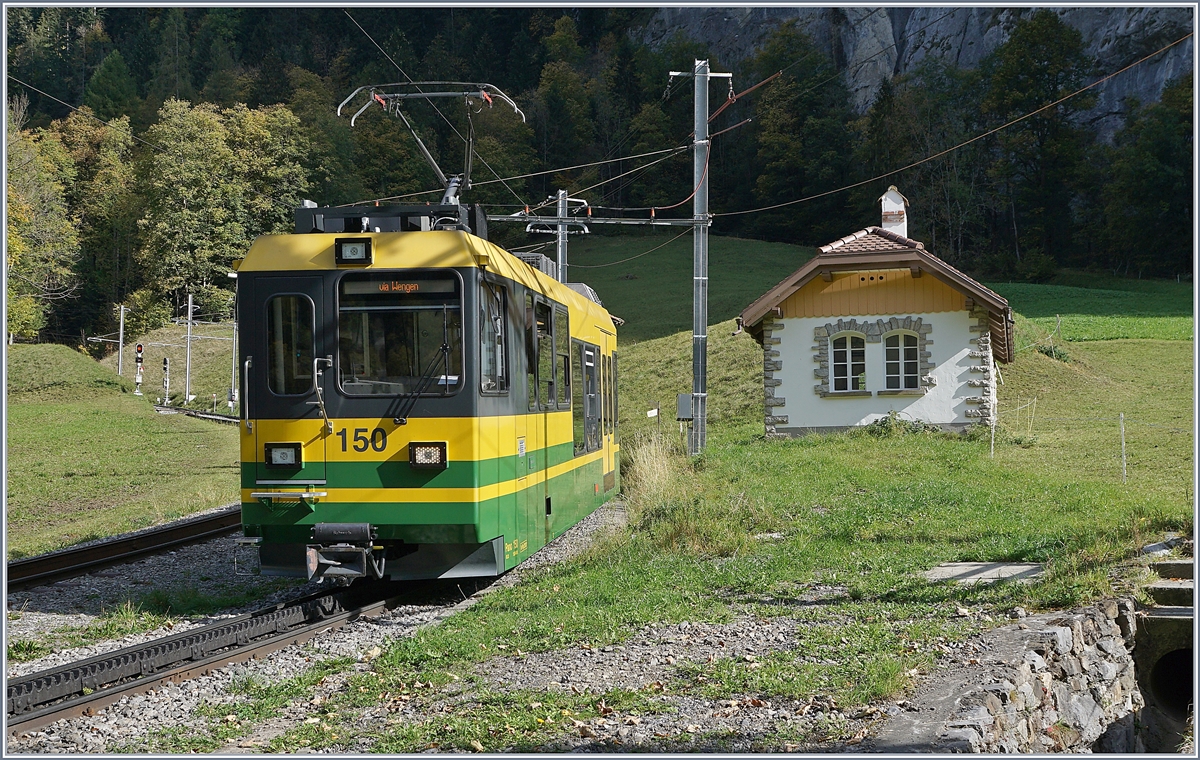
[(869, 45)]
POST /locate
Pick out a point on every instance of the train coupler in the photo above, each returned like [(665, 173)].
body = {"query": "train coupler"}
[(345, 551)]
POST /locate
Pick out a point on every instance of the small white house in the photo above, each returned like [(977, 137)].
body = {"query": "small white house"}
[(873, 324)]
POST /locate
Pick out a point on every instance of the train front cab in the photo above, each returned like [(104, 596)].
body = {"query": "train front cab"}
[(350, 469)]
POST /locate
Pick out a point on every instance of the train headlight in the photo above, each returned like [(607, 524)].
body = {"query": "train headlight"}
[(427, 456), (282, 455), (352, 251)]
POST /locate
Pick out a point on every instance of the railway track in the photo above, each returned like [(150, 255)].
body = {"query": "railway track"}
[(227, 419), (81, 688), (33, 571)]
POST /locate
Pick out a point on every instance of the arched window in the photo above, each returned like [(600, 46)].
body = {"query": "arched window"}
[(849, 363), (901, 367)]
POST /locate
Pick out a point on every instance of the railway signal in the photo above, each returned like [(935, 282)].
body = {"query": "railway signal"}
[(137, 378)]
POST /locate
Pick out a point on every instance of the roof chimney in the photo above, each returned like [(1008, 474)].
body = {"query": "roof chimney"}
[(895, 218)]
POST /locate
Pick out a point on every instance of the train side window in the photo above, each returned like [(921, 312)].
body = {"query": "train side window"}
[(601, 389), (493, 339), (290, 345), (562, 350), (531, 352), (616, 385), (545, 356), (608, 395), (591, 397), (577, 423)]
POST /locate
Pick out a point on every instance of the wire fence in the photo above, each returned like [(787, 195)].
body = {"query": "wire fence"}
[(1023, 419)]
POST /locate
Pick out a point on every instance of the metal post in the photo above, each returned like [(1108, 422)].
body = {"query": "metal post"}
[(561, 247), (1122, 447), (700, 266), (187, 367), (121, 343)]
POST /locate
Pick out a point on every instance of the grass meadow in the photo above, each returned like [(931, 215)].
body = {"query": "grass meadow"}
[(87, 458)]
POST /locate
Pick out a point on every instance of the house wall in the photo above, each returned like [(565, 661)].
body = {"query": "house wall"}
[(798, 400)]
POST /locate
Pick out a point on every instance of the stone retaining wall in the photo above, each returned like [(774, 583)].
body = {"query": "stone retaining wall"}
[(1071, 689)]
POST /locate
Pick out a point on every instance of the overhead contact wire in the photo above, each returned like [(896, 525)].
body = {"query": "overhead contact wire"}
[(536, 174)]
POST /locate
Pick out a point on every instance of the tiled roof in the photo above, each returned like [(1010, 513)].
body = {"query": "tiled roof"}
[(871, 240)]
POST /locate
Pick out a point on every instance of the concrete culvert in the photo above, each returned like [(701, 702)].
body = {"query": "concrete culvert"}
[(1171, 683)]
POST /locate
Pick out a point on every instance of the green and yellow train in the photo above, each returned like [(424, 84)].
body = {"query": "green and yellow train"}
[(417, 402)]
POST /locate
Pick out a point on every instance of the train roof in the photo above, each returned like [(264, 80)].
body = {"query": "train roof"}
[(412, 248)]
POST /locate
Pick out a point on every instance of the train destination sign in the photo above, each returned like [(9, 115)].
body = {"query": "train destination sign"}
[(373, 287)]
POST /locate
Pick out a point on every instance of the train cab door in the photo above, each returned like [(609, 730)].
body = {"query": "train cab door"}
[(608, 419), (289, 377)]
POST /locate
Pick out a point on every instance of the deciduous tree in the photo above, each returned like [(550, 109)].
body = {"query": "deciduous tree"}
[(42, 238)]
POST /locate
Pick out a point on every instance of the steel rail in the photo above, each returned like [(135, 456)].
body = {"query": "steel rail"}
[(65, 563), (81, 688)]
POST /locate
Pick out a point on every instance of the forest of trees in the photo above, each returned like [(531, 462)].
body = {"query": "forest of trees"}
[(148, 147)]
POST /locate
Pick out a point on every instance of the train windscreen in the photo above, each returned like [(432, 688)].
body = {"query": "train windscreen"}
[(399, 333)]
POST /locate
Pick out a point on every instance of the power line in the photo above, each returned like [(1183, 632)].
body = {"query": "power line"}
[(535, 174), (962, 144), (631, 171)]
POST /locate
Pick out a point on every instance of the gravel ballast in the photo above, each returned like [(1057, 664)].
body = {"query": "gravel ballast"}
[(649, 661)]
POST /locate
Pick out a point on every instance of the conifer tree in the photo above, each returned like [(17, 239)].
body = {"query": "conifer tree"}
[(111, 92), (1039, 158)]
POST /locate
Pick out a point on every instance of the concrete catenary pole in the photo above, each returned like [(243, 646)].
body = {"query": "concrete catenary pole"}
[(700, 266), (187, 367), (561, 246)]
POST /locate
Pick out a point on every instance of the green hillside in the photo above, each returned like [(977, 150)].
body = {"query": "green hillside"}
[(87, 458), (653, 292), (1100, 307), (891, 504)]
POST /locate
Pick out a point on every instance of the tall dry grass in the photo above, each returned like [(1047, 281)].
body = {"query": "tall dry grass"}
[(666, 503)]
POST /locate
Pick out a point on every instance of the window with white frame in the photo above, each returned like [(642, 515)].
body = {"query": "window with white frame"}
[(900, 362), (849, 363)]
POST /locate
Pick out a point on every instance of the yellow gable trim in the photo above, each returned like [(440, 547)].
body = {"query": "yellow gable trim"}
[(878, 291)]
